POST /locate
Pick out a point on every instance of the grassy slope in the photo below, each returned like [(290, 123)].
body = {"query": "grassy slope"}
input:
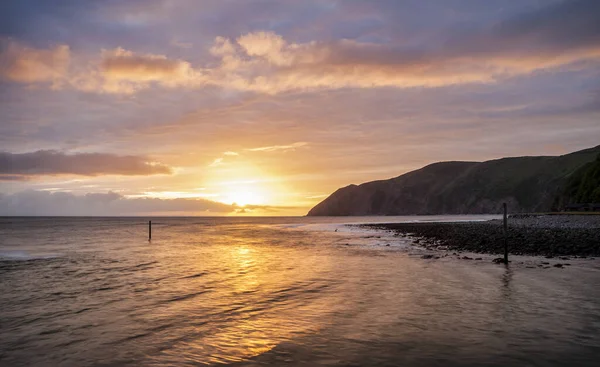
[(526, 183), (583, 186), (531, 183)]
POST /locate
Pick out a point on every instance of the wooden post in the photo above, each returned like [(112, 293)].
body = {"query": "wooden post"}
[(505, 235), (149, 231)]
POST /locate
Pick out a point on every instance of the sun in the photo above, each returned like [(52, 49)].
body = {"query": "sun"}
[(244, 197)]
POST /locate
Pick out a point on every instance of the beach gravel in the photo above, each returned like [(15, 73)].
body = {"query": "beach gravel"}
[(545, 235)]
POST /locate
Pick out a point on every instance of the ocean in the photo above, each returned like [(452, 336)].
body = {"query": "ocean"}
[(279, 291)]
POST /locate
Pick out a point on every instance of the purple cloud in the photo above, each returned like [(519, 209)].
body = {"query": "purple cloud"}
[(48, 162)]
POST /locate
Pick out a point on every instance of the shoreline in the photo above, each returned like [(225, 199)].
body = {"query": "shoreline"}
[(532, 235)]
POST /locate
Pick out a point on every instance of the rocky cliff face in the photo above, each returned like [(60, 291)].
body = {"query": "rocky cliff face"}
[(527, 184)]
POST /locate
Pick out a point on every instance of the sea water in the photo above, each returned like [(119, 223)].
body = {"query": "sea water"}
[(279, 291)]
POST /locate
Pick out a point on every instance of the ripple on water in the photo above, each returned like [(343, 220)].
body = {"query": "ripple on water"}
[(252, 293)]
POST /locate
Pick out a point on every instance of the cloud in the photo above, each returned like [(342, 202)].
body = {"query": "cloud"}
[(554, 36), (565, 25), (22, 64), (122, 64), (114, 71), (274, 148), (217, 162), (317, 196), (221, 160), (265, 62), (12, 178), (270, 46), (40, 203), (184, 45), (123, 71), (47, 203), (49, 162)]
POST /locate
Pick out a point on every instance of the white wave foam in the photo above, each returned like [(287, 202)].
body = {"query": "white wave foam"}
[(348, 230), (24, 256)]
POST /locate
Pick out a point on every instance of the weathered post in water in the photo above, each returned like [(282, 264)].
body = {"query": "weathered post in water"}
[(505, 235), (149, 231)]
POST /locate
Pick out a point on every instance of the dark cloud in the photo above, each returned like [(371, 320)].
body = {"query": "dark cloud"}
[(49, 162), (84, 24), (590, 107), (463, 30), (566, 24), (547, 32), (145, 23), (40, 203), (37, 21), (12, 178)]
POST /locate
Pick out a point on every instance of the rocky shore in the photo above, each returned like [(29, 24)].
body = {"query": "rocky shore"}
[(540, 235)]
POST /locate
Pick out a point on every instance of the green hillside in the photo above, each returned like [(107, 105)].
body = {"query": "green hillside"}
[(527, 184), (583, 186)]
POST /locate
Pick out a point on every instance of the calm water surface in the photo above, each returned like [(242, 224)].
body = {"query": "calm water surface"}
[(278, 291)]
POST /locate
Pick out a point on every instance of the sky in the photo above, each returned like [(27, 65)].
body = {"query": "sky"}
[(263, 107)]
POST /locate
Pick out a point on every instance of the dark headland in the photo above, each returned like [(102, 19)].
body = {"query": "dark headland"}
[(526, 184)]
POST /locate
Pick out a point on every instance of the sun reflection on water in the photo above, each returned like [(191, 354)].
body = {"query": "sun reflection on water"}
[(256, 313)]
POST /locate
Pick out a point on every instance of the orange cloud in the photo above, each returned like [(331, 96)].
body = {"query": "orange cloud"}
[(122, 71), (30, 65)]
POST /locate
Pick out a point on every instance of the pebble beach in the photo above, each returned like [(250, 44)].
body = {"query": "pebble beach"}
[(528, 234)]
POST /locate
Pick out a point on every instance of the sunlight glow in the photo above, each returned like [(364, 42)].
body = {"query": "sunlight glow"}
[(244, 197), (173, 195), (239, 181), (245, 186)]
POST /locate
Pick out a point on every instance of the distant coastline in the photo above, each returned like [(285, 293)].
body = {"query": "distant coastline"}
[(539, 235)]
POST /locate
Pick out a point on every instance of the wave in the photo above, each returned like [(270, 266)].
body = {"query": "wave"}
[(24, 256)]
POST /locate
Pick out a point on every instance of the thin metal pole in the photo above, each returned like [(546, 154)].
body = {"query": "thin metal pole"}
[(505, 235), (149, 231)]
